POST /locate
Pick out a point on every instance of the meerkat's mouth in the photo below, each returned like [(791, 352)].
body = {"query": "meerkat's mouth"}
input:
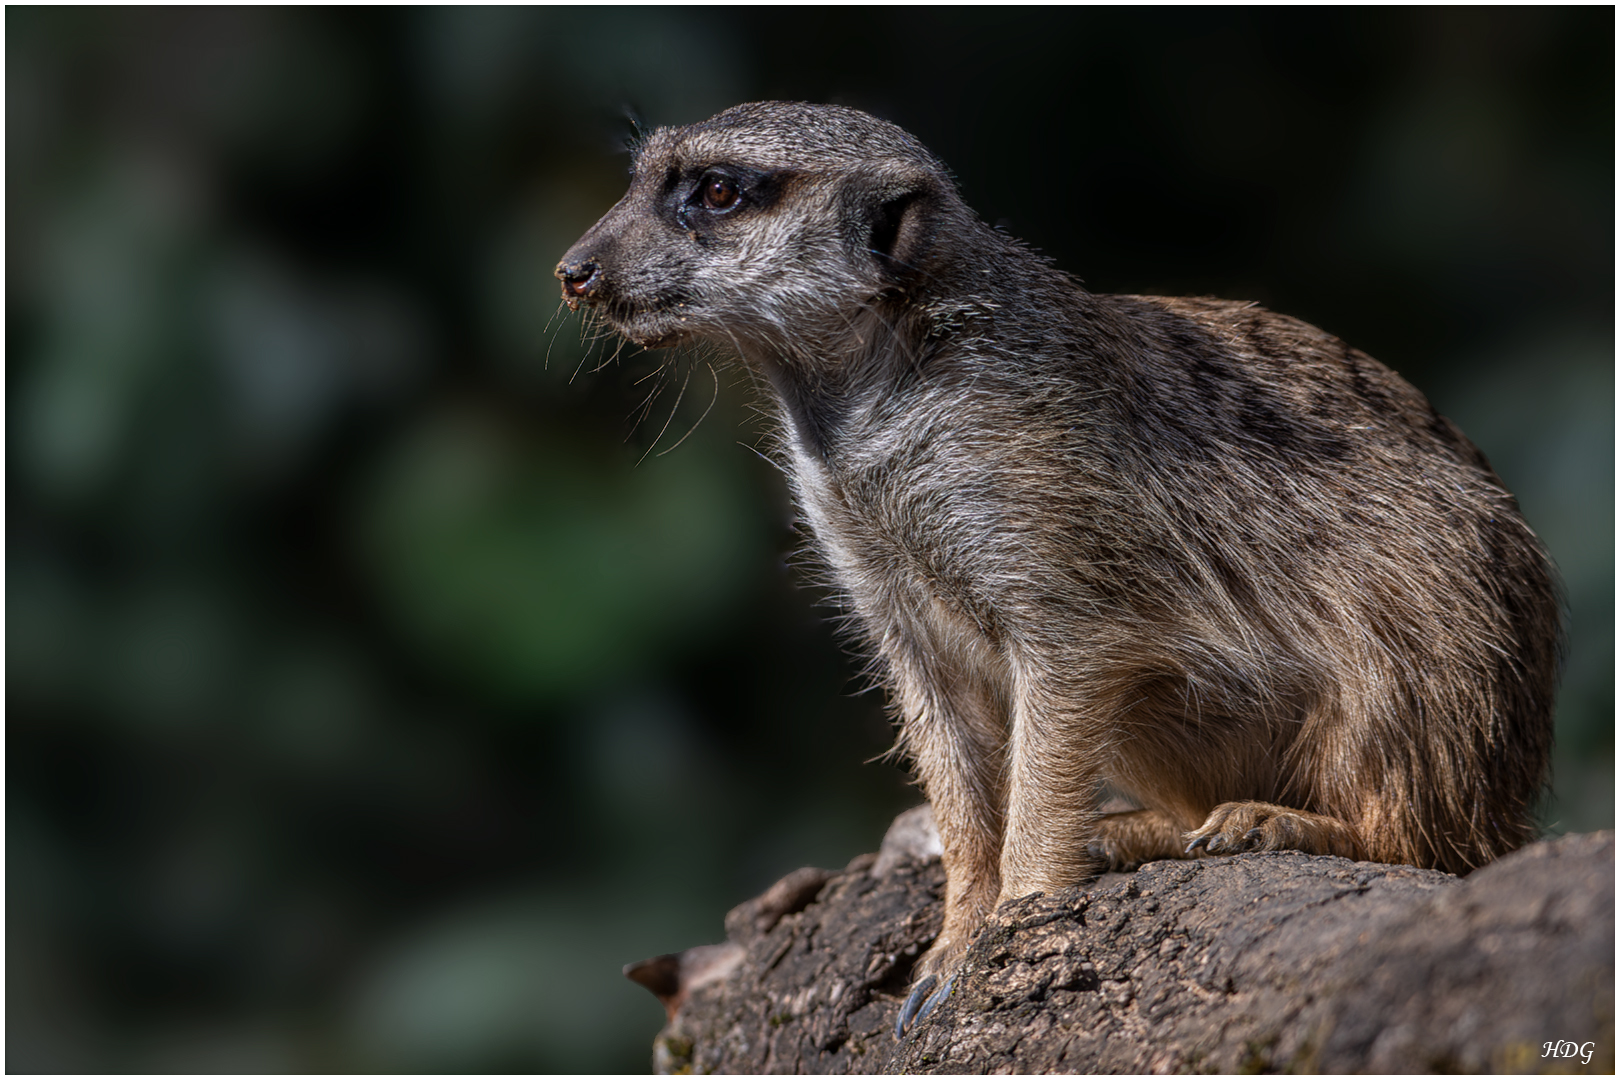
[(653, 324), (651, 327)]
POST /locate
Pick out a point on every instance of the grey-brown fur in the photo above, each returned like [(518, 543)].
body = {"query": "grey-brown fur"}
[(1209, 555)]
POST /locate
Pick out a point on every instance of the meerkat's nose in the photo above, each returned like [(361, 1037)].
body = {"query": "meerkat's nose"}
[(579, 278)]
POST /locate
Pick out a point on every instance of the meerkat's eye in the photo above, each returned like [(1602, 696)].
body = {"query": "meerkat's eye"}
[(719, 192)]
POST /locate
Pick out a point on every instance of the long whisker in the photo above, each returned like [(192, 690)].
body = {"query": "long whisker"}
[(584, 328), (617, 350), (668, 418), (705, 416), (644, 410), (551, 334)]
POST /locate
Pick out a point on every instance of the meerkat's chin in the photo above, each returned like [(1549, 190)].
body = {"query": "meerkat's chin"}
[(651, 329), (660, 341), (664, 327)]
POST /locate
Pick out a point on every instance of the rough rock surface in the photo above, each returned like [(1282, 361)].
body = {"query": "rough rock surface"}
[(1265, 962)]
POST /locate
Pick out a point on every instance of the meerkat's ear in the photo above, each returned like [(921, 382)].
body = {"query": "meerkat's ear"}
[(898, 228)]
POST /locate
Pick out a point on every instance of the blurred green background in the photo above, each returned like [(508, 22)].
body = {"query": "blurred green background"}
[(370, 704)]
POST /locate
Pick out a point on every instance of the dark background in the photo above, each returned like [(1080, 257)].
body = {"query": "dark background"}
[(370, 705)]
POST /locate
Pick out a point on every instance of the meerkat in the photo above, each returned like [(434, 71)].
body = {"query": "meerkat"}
[(1207, 555)]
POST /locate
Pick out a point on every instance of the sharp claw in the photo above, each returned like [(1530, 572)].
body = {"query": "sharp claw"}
[(1216, 845), (1251, 839), (908, 1011), (935, 998), (1200, 842)]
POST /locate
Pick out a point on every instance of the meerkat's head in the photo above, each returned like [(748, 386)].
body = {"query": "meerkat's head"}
[(770, 224)]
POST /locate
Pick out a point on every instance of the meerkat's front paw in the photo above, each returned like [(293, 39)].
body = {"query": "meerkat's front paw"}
[(933, 982), (1236, 827), (925, 996)]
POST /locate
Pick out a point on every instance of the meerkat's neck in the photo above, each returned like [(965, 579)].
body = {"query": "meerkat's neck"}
[(947, 327), (820, 388)]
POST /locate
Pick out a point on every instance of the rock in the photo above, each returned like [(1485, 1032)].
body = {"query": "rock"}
[(1258, 962)]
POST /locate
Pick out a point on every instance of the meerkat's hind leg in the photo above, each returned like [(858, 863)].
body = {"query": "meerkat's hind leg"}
[(1130, 838), (1256, 826)]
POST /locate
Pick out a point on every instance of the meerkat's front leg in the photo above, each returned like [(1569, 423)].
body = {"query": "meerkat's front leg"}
[(1054, 764), (955, 731)]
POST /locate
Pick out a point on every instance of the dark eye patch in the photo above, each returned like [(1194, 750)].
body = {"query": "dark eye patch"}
[(702, 196), (754, 188)]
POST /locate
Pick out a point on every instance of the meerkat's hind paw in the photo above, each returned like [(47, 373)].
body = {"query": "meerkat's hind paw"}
[(1126, 840), (1255, 826), (922, 1002), (1220, 843), (1109, 854)]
